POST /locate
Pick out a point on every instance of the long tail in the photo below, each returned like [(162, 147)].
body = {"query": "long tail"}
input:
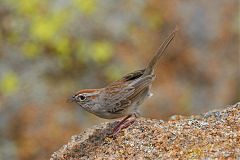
[(159, 52)]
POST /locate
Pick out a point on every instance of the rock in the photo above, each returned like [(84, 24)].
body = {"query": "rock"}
[(215, 134)]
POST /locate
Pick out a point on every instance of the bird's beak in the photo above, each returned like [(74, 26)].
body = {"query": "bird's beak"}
[(71, 99)]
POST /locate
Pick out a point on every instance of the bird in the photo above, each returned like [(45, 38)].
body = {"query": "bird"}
[(122, 97)]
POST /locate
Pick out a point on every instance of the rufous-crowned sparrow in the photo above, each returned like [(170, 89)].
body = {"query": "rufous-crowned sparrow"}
[(122, 97)]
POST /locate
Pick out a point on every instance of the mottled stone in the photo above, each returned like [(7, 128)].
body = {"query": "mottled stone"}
[(215, 134)]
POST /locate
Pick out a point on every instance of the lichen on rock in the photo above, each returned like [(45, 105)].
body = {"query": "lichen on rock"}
[(215, 134)]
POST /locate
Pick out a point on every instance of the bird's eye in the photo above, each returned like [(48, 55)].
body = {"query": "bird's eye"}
[(82, 97)]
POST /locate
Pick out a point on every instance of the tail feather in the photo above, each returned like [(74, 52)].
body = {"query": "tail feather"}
[(160, 52)]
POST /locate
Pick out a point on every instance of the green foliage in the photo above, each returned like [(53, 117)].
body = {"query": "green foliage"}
[(98, 51), (9, 83), (46, 28), (30, 50), (87, 7), (27, 7), (113, 72), (155, 21), (43, 29), (101, 51), (82, 51)]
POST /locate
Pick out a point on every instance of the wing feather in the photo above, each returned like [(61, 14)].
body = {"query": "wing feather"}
[(118, 96)]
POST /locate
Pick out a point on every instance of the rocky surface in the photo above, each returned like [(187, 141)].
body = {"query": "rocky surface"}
[(215, 134)]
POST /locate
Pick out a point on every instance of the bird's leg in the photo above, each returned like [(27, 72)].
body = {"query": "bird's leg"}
[(124, 123), (121, 122)]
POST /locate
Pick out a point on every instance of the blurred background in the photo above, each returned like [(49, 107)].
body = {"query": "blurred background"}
[(51, 49)]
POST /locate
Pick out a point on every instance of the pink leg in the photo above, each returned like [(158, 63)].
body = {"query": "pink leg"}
[(121, 122), (124, 125)]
